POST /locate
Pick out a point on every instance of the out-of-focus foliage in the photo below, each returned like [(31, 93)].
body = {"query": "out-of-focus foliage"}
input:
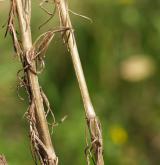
[(120, 54)]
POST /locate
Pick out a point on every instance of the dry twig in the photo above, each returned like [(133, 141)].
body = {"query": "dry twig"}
[(39, 132), (92, 120)]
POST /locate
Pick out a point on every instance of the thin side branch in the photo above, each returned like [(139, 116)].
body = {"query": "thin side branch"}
[(92, 120)]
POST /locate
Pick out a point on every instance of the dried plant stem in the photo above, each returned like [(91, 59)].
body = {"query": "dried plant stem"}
[(3, 160), (48, 156), (92, 120)]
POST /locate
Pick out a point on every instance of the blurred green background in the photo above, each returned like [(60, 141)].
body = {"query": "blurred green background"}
[(120, 54)]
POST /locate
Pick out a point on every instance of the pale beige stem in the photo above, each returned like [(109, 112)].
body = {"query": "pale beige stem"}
[(92, 121), (3, 160), (65, 21), (42, 126)]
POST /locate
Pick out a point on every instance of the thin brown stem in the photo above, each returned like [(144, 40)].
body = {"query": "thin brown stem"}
[(92, 120), (48, 155)]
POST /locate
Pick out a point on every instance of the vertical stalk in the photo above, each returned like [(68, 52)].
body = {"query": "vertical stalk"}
[(48, 155), (92, 120)]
